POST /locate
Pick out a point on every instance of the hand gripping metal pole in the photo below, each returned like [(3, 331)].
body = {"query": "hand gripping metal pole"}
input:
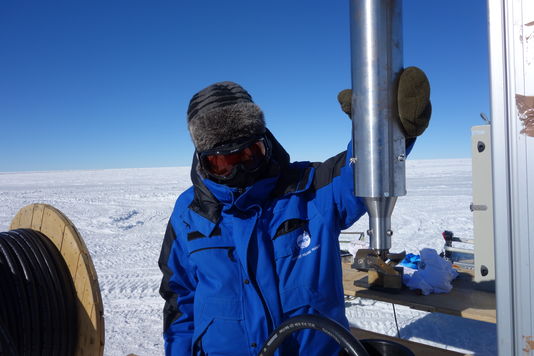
[(378, 141)]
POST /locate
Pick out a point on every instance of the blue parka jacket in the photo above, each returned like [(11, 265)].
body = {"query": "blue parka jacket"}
[(237, 265)]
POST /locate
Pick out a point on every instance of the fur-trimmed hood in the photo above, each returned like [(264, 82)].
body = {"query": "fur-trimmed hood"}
[(223, 112), (211, 128)]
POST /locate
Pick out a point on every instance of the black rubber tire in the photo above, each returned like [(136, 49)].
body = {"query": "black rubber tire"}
[(342, 336)]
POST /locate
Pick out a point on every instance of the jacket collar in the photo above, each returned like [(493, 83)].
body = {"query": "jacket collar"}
[(253, 195), (204, 202), (296, 178)]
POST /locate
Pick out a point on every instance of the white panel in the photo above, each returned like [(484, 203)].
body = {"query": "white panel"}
[(482, 206)]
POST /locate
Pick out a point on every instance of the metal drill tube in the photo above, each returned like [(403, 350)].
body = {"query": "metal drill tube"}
[(378, 140), (380, 210)]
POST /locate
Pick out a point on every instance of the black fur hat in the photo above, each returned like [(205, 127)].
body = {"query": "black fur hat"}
[(223, 112)]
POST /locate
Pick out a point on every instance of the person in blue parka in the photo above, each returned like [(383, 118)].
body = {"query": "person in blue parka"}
[(254, 241)]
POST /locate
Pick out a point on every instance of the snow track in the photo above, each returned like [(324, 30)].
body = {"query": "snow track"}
[(122, 215)]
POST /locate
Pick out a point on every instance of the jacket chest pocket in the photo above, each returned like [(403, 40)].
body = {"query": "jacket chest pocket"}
[(293, 247), (290, 237), (217, 267), (198, 242), (298, 263)]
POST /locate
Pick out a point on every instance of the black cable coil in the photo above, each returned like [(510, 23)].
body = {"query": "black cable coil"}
[(37, 297), (342, 336)]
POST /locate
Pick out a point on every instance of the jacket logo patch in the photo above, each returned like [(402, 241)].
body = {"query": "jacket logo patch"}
[(303, 240), (198, 235)]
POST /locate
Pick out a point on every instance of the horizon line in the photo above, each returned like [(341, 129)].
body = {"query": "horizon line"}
[(189, 166)]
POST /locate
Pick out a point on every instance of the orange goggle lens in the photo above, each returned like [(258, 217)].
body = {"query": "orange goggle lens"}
[(223, 165)]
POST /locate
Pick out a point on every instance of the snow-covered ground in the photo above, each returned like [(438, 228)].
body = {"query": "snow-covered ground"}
[(122, 215)]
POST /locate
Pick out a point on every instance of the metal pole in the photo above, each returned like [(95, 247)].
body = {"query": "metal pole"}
[(511, 30), (378, 140)]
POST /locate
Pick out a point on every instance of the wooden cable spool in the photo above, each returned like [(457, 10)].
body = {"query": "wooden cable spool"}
[(63, 234)]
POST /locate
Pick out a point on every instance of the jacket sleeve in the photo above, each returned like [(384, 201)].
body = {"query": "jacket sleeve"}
[(178, 289), (333, 183)]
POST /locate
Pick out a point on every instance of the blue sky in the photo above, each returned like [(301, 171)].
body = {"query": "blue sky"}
[(106, 84)]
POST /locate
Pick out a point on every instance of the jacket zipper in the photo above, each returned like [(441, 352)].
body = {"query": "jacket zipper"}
[(270, 320), (266, 306)]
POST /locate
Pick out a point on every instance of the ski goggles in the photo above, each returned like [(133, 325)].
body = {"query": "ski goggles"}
[(222, 161)]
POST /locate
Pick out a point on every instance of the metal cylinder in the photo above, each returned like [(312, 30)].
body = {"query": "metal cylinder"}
[(378, 140)]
